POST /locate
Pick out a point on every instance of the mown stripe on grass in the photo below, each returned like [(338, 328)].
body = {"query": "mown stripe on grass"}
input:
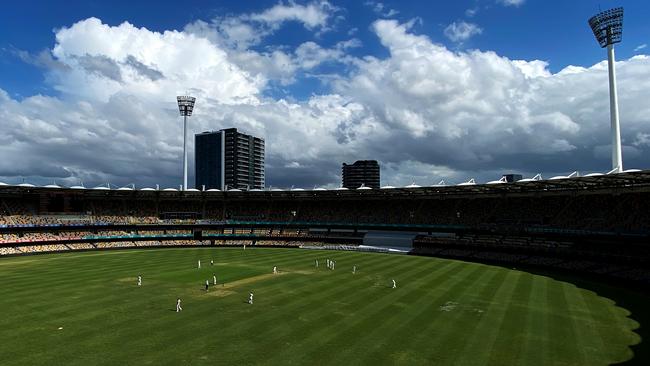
[(510, 342), (480, 343), (268, 295), (440, 336), (589, 339), (283, 324), (361, 297), (562, 330), (617, 336), (280, 319), (536, 326), (459, 314), (350, 342), (306, 317)]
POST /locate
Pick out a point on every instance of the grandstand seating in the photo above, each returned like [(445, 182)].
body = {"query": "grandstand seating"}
[(598, 227)]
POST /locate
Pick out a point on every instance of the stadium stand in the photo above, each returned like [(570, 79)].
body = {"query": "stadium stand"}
[(597, 224)]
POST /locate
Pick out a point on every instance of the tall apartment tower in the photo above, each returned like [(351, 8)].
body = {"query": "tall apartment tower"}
[(362, 172), (227, 159)]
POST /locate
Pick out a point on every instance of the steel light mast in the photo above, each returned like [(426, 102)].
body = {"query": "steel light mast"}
[(185, 106), (608, 29)]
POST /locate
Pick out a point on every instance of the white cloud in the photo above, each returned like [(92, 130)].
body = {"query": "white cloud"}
[(231, 32), (245, 30), (424, 111), (381, 9), (532, 69), (97, 56), (640, 47), (312, 15), (471, 12), (461, 31), (42, 59), (511, 2), (473, 109), (237, 34), (412, 171), (310, 55), (642, 139)]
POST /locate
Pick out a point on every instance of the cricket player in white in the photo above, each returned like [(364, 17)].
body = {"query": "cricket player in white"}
[(207, 285), (199, 264), (328, 263), (394, 284), (139, 280), (178, 305), (211, 262), (275, 269), (214, 279), (316, 263), (354, 269), (250, 298)]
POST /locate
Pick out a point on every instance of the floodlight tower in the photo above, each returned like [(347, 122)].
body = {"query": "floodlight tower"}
[(608, 29), (185, 106)]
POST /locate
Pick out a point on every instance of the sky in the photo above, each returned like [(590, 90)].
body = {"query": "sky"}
[(432, 90)]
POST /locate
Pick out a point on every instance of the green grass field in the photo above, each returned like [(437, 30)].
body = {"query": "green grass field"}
[(442, 312)]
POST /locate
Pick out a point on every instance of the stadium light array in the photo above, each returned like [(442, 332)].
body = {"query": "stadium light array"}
[(185, 107), (608, 30)]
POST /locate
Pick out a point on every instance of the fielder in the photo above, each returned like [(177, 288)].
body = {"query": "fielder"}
[(250, 298), (354, 269), (211, 262), (316, 263), (178, 305), (139, 280), (275, 270), (394, 284), (214, 280), (207, 284), (199, 264)]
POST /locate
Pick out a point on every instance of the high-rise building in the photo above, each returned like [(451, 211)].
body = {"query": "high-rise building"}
[(361, 173), (228, 159)]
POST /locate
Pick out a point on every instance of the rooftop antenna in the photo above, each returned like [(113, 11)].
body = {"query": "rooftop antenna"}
[(608, 30)]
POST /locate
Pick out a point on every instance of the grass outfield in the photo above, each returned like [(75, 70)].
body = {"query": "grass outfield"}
[(443, 312)]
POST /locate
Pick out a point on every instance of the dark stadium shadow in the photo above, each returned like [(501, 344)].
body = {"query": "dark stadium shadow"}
[(631, 297)]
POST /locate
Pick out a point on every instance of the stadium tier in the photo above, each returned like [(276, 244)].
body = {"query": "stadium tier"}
[(596, 224)]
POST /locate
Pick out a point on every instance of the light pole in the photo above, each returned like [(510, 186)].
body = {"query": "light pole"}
[(185, 106), (608, 29)]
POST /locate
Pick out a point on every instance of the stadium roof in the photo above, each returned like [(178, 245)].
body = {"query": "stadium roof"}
[(626, 181)]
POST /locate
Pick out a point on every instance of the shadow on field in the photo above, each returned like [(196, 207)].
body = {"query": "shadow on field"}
[(630, 297)]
